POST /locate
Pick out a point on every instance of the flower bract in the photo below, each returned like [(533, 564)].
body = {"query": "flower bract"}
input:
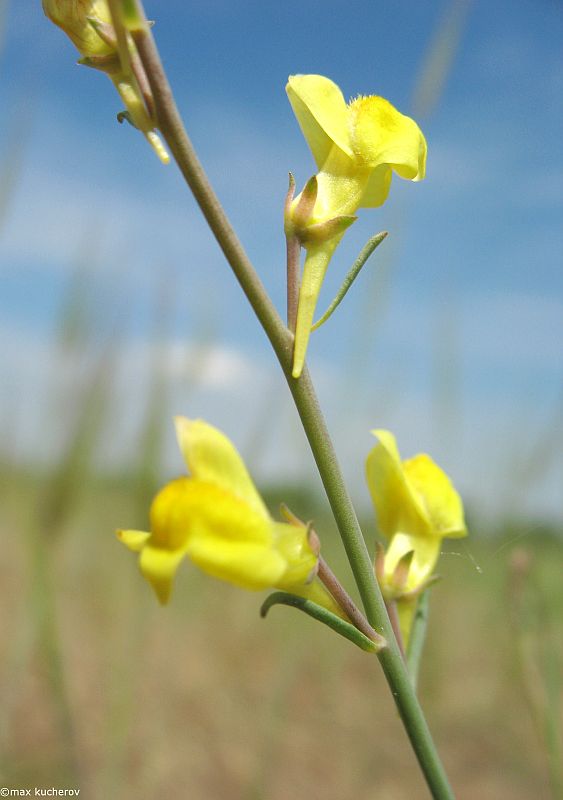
[(356, 146)]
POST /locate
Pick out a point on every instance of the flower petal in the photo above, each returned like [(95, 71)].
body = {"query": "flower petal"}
[(397, 505), (134, 540), (246, 564), (382, 135), (443, 504), (186, 509), (317, 592), (316, 263), (377, 187), (292, 542), (426, 550), (159, 566), (405, 610), (212, 458), (322, 114), (171, 514)]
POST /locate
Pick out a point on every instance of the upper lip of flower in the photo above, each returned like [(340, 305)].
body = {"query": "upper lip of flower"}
[(368, 130), (413, 496)]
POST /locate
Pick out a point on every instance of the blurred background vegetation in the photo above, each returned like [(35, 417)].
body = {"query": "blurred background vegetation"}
[(104, 691)]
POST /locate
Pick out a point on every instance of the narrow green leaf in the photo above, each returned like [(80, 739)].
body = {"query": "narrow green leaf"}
[(351, 277), (322, 615)]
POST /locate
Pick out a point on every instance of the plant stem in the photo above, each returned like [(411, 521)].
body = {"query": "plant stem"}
[(391, 607), (293, 248), (171, 127), (343, 599), (293, 251)]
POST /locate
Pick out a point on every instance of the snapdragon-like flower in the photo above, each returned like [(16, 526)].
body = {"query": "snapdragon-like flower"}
[(356, 146), (416, 507), (90, 26), (216, 518)]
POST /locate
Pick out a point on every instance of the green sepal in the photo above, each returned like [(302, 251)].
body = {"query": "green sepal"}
[(345, 629), (108, 64), (105, 31), (304, 208), (325, 231)]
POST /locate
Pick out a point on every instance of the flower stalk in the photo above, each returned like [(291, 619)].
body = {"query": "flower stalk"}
[(343, 599), (293, 252)]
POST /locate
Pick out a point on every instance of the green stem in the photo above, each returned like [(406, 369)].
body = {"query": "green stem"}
[(171, 127), (391, 607)]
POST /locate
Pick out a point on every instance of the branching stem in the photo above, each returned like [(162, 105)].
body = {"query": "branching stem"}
[(391, 607)]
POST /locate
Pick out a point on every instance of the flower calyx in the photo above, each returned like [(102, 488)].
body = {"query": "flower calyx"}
[(301, 222)]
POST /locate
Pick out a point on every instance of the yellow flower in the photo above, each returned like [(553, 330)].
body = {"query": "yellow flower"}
[(416, 507), (217, 519), (356, 146)]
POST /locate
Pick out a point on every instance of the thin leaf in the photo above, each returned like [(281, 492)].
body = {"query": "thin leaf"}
[(351, 277), (322, 615)]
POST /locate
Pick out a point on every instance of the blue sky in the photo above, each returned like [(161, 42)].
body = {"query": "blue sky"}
[(451, 338)]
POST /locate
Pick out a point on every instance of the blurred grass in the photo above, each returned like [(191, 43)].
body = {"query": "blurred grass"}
[(205, 700)]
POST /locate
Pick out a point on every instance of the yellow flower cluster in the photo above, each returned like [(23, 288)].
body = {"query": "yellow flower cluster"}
[(216, 518)]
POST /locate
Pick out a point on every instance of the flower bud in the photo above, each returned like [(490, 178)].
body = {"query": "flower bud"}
[(90, 26), (78, 20)]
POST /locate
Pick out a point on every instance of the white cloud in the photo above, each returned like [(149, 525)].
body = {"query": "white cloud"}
[(44, 389)]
